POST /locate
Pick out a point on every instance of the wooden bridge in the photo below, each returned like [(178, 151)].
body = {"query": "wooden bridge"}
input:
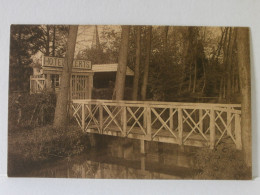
[(192, 124)]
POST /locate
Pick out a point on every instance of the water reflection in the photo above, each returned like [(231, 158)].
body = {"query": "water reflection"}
[(121, 159)]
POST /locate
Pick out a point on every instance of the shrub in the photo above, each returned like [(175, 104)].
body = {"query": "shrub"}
[(36, 109)]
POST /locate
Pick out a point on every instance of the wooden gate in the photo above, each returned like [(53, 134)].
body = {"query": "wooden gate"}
[(37, 83), (79, 87)]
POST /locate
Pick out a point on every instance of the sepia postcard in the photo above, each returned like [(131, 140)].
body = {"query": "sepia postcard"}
[(129, 102)]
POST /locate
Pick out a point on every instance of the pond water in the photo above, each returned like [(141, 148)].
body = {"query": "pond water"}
[(120, 158)]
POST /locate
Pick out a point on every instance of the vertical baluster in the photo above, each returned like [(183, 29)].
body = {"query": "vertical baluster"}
[(200, 117), (171, 118), (124, 120), (83, 116), (238, 132), (212, 128), (100, 118), (180, 125), (145, 119), (148, 122), (228, 123)]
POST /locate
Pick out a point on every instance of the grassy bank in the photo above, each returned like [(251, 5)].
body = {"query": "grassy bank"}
[(224, 162), (27, 147)]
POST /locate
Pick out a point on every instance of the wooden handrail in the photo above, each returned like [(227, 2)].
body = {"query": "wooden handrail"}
[(154, 103)]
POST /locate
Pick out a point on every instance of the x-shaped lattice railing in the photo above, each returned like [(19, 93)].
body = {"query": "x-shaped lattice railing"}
[(112, 117), (164, 123), (76, 108), (226, 125), (218, 128), (91, 117), (196, 125), (136, 119), (185, 119)]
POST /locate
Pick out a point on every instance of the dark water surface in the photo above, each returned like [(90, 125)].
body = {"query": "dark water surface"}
[(120, 158)]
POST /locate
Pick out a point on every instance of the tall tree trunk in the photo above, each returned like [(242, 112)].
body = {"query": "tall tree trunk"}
[(195, 77), (245, 84), (137, 62), (222, 66), (53, 41), (47, 52), (186, 45), (229, 64), (122, 64), (204, 77), (165, 36), (60, 118), (146, 66)]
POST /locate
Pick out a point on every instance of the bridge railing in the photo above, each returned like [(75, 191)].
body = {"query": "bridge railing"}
[(195, 124)]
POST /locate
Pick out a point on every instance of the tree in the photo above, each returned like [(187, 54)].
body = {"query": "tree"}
[(60, 117), (137, 62), (147, 60), (20, 57), (122, 64), (245, 84)]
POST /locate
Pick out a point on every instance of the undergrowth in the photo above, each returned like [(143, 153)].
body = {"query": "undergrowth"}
[(224, 162)]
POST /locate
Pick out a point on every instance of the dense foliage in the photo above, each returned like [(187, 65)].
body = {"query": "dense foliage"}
[(36, 110)]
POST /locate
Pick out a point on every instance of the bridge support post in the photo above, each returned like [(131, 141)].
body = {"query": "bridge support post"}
[(180, 125), (212, 129), (83, 116), (238, 132), (142, 146), (143, 163)]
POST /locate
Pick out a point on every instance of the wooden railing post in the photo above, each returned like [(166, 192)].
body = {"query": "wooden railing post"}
[(200, 117), (180, 125), (238, 132), (171, 118), (124, 120), (145, 118), (83, 116), (212, 128), (228, 123), (148, 122), (100, 118)]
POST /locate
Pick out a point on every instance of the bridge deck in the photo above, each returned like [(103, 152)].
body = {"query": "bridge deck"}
[(163, 136)]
